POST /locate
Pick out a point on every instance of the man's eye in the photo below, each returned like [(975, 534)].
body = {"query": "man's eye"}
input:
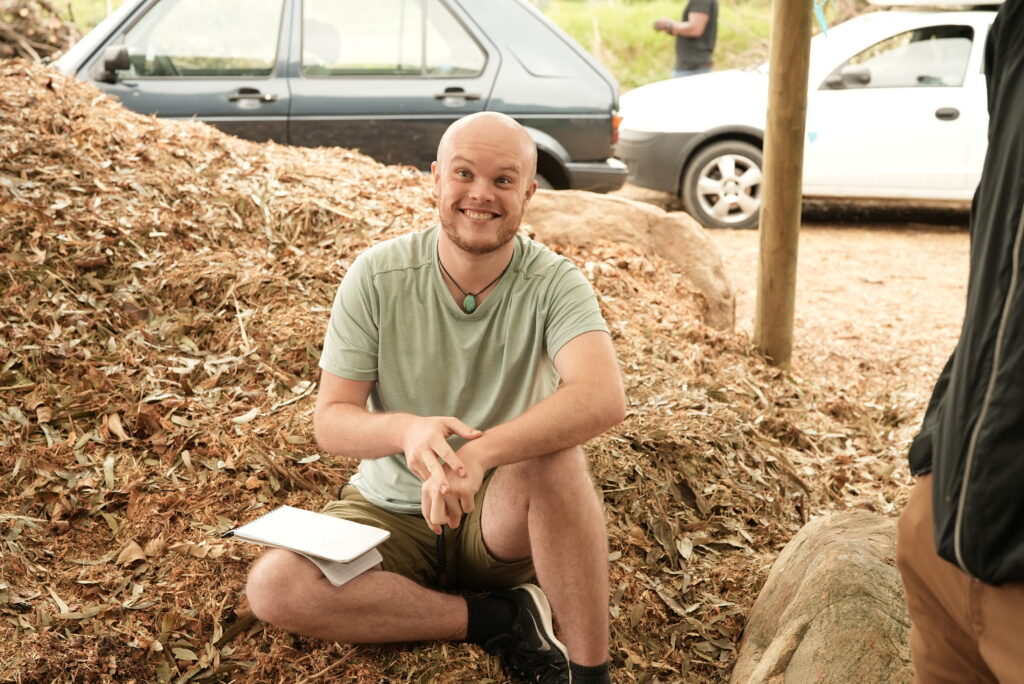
[(504, 179), (463, 173)]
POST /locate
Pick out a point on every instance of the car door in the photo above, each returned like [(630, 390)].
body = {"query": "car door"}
[(216, 60), (900, 118), (385, 77)]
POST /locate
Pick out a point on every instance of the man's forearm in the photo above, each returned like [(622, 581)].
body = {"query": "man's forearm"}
[(353, 431), (571, 416)]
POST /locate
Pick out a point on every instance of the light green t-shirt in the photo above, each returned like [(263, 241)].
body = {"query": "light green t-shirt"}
[(394, 321)]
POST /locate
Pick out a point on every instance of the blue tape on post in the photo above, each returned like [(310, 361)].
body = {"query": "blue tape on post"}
[(818, 4)]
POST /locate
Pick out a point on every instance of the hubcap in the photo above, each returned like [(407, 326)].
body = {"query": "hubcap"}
[(729, 188)]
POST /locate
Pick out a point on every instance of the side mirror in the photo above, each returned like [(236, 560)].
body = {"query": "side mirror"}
[(849, 76), (115, 58)]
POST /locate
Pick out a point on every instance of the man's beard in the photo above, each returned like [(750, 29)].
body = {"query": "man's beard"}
[(506, 232)]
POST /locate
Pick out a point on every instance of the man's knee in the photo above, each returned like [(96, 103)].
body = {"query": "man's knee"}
[(270, 583), (565, 460), (563, 472)]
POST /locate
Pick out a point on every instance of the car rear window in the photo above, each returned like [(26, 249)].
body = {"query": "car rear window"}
[(539, 48)]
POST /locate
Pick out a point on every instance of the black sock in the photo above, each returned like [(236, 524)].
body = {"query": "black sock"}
[(488, 617), (590, 674)]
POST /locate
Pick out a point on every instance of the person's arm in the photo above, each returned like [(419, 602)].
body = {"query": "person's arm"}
[(343, 425), (693, 27), (589, 401)]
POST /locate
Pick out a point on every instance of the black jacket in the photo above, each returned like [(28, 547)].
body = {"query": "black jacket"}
[(972, 437)]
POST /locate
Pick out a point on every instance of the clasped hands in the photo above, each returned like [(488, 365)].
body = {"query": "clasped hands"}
[(450, 483)]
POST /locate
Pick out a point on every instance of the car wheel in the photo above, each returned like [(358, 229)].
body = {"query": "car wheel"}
[(722, 185)]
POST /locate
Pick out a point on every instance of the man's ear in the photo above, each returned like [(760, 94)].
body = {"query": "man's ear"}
[(529, 191), (435, 171)]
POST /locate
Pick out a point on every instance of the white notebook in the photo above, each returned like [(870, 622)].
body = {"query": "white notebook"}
[(342, 549)]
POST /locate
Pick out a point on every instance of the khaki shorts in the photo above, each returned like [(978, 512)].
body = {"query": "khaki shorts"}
[(413, 550), (962, 630)]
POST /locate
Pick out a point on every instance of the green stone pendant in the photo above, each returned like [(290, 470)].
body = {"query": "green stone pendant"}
[(469, 304)]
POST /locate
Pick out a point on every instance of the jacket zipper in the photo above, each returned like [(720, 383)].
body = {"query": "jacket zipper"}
[(986, 402)]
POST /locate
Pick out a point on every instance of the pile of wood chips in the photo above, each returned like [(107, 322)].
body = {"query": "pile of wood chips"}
[(33, 29), (165, 289)]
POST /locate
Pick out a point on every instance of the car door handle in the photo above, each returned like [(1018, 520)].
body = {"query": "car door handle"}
[(252, 94), (456, 92), (947, 114)]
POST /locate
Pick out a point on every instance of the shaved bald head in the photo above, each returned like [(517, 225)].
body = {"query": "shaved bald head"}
[(497, 126)]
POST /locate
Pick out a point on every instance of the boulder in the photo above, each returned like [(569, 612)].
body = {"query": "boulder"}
[(832, 609), (564, 217)]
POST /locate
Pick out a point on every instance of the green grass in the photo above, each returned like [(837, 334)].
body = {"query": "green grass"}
[(619, 34), (86, 13)]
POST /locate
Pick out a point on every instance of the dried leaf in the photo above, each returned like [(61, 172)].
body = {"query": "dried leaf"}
[(184, 654), (131, 553), (246, 417), (155, 547), (112, 426), (197, 550)]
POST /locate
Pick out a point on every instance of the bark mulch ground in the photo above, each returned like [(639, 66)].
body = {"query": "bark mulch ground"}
[(164, 290)]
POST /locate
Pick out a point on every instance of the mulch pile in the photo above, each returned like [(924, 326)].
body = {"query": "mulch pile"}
[(34, 30), (164, 291)]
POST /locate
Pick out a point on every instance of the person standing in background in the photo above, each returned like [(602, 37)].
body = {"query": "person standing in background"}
[(695, 36)]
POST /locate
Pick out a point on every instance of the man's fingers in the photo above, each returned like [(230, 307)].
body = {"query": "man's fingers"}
[(425, 509), (462, 430), (454, 510), (466, 502), (438, 512), (455, 463), (432, 469), (419, 462), (444, 450)]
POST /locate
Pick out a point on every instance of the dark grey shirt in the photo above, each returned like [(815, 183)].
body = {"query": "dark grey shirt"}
[(693, 53)]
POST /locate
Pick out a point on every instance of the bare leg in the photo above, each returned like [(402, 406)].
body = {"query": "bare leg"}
[(288, 591), (547, 507)]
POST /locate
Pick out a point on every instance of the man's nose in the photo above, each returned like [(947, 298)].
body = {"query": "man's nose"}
[(481, 189)]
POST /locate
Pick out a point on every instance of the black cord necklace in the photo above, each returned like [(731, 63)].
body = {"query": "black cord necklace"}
[(469, 303)]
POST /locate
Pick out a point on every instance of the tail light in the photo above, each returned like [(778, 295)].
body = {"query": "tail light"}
[(616, 120)]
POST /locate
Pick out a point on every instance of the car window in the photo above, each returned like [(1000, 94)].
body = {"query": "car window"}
[(935, 56), (386, 38), (205, 38), (535, 43)]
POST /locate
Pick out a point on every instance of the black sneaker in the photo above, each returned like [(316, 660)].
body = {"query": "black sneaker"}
[(529, 650)]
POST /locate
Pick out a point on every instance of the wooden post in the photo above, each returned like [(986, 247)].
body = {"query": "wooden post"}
[(789, 59)]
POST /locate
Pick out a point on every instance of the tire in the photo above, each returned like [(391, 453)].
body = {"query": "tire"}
[(722, 185)]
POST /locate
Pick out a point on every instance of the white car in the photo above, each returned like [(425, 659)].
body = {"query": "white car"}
[(896, 110)]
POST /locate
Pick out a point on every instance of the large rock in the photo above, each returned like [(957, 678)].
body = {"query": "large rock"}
[(832, 610), (563, 217)]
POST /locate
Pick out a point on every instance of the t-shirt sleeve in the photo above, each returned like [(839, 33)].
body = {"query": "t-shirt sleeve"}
[(702, 6), (573, 310), (351, 342)]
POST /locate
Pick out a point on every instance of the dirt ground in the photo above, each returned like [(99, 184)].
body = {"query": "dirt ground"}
[(865, 290), (879, 299)]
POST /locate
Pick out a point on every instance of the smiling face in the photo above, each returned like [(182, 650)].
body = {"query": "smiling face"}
[(483, 180)]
